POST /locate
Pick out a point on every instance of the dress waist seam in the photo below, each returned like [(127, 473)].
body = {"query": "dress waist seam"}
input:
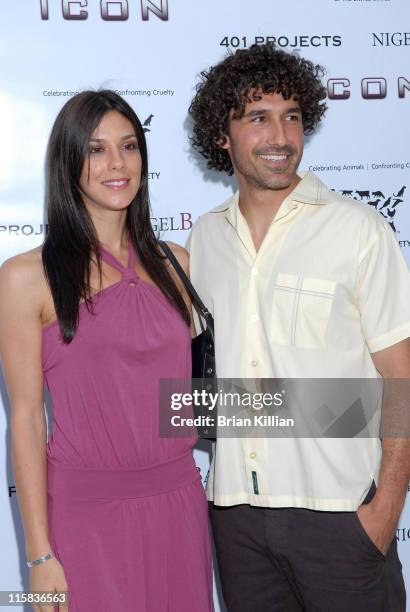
[(82, 483)]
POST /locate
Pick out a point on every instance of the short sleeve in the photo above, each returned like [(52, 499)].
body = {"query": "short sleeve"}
[(383, 291)]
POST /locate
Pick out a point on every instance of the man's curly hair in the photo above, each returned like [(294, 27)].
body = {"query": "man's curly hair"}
[(238, 79)]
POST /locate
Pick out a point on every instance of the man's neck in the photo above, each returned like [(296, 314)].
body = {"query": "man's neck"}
[(260, 206)]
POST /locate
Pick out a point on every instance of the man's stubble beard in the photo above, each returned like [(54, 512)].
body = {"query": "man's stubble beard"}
[(255, 180)]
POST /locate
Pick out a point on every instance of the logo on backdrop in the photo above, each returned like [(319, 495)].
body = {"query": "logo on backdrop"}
[(145, 92), (385, 204), (295, 41), (181, 221), (146, 126), (371, 88), (110, 10), (24, 230), (403, 534), (387, 39)]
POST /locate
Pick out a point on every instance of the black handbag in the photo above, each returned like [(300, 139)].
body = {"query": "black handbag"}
[(203, 346)]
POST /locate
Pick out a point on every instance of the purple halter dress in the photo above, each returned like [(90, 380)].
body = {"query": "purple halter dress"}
[(127, 511)]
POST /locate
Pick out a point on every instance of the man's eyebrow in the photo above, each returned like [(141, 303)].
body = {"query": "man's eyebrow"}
[(294, 109), (261, 111), (253, 113), (122, 138)]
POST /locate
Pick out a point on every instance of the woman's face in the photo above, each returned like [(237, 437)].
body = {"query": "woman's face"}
[(111, 173)]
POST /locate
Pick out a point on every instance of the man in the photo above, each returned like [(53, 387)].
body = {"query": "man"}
[(302, 284)]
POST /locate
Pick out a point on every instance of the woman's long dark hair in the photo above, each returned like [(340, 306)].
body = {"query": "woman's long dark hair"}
[(71, 239)]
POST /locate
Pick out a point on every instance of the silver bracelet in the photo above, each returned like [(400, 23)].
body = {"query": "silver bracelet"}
[(40, 560)]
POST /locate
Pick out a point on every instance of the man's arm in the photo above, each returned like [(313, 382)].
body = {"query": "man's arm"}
[(380, 516)]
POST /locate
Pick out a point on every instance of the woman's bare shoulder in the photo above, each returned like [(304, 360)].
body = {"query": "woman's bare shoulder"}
[(181, 254), (23, 272)]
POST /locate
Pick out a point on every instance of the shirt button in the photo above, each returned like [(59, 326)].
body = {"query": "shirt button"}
[(255, 271), (252, 455), (254, 363), (254, 317), (132, 284)]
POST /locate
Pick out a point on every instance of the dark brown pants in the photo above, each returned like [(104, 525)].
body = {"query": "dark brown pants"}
[(294, 560)]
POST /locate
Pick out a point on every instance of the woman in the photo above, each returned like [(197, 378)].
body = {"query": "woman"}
[(100, 316)]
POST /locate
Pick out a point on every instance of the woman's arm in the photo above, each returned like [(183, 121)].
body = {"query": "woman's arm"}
[(22, 301)]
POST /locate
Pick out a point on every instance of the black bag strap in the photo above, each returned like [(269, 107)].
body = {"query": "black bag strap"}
[(198, 303)]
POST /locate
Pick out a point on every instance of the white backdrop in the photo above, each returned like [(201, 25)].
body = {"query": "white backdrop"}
[(151, 52)]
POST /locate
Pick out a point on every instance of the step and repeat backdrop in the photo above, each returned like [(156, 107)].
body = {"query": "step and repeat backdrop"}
[(151, 52)]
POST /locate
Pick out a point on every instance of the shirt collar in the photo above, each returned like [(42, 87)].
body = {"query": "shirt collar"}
[(310, 190)]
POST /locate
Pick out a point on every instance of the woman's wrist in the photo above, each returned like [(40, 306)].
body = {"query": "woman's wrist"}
[(39, 560), (35, 550)]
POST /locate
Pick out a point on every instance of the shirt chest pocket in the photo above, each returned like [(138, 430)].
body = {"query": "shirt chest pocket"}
[(301, 310)]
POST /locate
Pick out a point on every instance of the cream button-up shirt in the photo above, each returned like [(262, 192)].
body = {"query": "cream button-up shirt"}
[(327, 287)]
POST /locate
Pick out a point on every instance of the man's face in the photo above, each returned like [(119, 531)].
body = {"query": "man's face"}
[(266, 144)]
